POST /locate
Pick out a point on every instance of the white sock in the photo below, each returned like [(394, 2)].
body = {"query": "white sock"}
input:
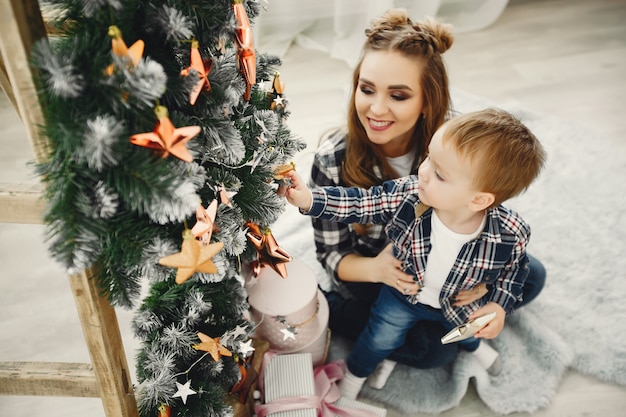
[(381, 374), (488, 357), (350, 385)]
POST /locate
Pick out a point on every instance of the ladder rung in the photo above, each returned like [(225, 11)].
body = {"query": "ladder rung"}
[(54, 379), (21, 203)]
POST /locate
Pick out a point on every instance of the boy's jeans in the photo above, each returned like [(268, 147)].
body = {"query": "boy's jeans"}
[(391, 317)]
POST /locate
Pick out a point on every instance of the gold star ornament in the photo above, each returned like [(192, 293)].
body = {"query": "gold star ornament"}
[(193, 257), (213, 346)]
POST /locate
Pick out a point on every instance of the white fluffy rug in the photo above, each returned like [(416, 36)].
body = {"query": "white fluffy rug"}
[(576, 211)]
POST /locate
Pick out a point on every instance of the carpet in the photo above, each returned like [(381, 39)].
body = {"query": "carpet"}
[(576, 212)]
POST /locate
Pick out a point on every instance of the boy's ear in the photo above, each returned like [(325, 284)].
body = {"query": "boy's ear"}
[(482, 201)]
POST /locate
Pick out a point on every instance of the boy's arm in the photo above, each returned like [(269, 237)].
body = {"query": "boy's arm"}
[(507, 291), (351, 204)]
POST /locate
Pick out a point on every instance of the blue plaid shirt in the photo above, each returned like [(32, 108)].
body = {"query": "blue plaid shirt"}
[(493, 258)]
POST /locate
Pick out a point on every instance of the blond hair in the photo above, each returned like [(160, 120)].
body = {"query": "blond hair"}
[(505, 154)]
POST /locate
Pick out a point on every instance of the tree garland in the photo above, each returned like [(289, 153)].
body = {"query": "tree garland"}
[(152, 109)]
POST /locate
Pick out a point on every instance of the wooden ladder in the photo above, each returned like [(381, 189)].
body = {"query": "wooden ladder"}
[(107, 376)]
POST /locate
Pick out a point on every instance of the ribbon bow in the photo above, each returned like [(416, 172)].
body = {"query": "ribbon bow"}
[(326, 393)]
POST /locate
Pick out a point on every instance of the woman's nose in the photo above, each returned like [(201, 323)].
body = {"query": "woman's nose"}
[(378, 106)]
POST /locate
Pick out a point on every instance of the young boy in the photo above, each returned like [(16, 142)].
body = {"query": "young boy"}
[(463, 238)]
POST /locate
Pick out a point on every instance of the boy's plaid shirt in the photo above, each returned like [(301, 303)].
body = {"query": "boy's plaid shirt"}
[(494, 258)]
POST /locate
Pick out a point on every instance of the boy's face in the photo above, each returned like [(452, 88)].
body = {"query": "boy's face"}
[(445, 177)]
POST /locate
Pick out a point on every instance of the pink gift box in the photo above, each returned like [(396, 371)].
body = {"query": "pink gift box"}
[(290, 313)]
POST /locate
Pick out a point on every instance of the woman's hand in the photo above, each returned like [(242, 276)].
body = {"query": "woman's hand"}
[(495, 326), (465, 297), (388, 270)]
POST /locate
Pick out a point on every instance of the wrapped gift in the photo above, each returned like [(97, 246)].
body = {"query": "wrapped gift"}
[(292, 388), (288, 386), (290, 313)]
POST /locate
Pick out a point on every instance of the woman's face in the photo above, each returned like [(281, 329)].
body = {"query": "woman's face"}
[(389, 100)]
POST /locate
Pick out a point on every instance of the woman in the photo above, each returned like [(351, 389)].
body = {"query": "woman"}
[(400, 96)]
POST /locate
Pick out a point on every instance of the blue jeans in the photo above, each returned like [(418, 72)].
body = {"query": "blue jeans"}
[(422, 348), (391, 318)]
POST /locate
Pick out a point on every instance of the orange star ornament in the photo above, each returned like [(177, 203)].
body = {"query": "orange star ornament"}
[(166, 138), (203, 68), (269, 253), (119, 48), (245, 43), (193, 257), (213, 346)]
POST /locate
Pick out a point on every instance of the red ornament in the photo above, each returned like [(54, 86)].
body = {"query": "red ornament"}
[(166, 138), (203, 68), (245, 44)]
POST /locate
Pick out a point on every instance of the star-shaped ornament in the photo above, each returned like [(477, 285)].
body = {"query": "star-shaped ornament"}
[(213, 346), (269, 253), (205, 223), (288, 334), (277, 91), (166, 138), (278, 101), (245, 348), (239, 331), (184, 391), (193, 257), (225, 195), (202, 68), (119, 48)]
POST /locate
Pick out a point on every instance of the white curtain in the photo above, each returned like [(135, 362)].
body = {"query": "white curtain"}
[(336, 26)]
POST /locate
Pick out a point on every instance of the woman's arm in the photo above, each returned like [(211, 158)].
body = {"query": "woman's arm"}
[(383, 268)]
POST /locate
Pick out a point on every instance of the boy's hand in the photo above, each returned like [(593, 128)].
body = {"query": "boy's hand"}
[(495, 326), (298, 194)]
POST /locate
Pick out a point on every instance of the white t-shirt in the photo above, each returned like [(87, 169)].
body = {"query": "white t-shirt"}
[(402, 164), (445, 247)]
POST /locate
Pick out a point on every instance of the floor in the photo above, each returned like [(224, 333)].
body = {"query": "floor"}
[(564, 58)]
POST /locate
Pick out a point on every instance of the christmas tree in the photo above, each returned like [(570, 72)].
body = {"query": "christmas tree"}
[(166, 130)]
